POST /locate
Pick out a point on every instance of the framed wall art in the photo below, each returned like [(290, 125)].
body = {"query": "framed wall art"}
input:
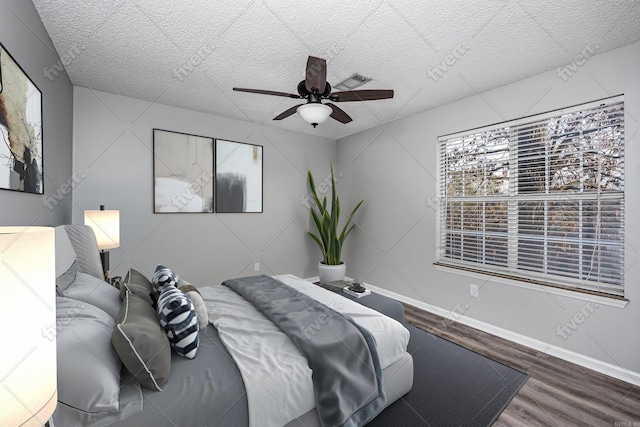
[(183, 177), (238, 177), (21, 167)]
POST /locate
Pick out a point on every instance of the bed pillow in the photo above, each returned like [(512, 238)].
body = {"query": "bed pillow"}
[(94, 291), (89, 386), (84, 243), (198, 303), (177, 317), (162, 277), (136, 283), (141, 343), (65, 279)]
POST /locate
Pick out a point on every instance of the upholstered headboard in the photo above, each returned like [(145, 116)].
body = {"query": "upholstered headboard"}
[(77, 243)]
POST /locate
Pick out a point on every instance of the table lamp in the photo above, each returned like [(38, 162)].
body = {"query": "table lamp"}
[(106, 227), (28, 377)]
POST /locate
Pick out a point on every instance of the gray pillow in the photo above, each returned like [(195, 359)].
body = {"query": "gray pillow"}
[(94, 291), (139, 285), (141, 344), (89, 387), (66, 278)]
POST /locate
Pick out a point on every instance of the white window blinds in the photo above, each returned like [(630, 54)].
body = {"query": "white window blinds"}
[(539, 199)]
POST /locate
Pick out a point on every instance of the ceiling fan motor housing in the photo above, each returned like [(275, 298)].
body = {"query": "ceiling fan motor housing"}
[(313, 96)]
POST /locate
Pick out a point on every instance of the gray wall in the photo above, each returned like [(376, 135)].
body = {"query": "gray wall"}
[(113, 157), (394, 167), (24, 36)]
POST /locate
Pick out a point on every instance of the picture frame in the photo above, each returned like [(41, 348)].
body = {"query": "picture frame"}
[(183, 172), (239, 177), (21, 131)]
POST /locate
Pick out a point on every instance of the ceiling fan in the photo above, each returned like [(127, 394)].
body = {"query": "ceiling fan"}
[(314, 88)]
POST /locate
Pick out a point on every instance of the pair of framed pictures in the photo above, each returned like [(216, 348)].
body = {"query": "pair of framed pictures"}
[(198, 174)]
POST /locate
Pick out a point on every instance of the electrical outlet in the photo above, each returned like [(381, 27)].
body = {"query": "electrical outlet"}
[(473, 290), (256, 266)]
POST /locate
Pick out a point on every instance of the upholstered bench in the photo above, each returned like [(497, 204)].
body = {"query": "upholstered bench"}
[(385, 305), (380, 303)]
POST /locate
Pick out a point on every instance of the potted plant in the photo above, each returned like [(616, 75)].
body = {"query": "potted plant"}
[(330, 236)]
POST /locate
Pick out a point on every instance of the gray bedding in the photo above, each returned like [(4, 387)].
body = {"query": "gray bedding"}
[(347, 377), (205, 391)]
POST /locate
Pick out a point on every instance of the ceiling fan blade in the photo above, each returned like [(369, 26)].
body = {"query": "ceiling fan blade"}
[(338, 114), (316, 76), (267, 92), (361, 95), (287, 113)]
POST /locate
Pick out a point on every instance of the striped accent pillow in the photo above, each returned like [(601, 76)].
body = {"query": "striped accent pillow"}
[(163, 277), (177, 317)]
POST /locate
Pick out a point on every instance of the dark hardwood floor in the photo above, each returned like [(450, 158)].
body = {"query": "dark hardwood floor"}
[(557, 393)]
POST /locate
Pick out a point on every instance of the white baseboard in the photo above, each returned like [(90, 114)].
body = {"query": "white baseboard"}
[(559, 352)]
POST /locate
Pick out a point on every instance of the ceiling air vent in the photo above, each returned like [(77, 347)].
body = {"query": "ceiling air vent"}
[(352, 82)]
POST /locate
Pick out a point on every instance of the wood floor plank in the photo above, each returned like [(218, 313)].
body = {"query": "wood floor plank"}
[(558, 393)]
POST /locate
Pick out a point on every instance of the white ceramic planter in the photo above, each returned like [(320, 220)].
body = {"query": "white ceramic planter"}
[(330, 273)]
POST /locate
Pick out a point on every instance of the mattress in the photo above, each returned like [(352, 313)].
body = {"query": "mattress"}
[(398, 380)]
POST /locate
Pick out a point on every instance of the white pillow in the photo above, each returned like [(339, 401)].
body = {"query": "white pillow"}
[(94, 291), (89, 388), (198, 302)]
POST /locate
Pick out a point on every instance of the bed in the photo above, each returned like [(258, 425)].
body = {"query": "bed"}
[(246, 371)]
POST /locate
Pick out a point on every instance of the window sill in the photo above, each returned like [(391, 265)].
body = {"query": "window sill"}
[(604, 300)]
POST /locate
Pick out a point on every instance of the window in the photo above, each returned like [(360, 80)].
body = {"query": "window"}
[(539, 199)]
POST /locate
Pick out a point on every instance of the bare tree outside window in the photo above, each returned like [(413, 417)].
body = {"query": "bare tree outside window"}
[(539, 198)]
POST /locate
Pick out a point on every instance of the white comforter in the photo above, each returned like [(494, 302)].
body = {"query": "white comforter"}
[(275, 373)]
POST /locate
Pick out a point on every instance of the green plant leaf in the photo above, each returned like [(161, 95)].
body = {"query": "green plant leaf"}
[(327, 222), (319, 242), (343, 233)]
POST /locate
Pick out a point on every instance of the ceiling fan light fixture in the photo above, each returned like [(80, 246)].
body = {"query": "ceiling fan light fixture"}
[(314, 113)]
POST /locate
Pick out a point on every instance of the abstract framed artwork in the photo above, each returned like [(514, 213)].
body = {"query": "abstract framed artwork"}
[(182, 172), (21, 160), (238, 177)]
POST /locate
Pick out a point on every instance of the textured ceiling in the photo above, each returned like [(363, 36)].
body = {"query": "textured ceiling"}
[(190, 54)]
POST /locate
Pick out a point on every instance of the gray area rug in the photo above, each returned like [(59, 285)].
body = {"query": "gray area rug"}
[(452, 386)]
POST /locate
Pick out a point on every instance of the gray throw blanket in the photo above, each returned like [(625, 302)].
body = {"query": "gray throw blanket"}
[(347, 377)]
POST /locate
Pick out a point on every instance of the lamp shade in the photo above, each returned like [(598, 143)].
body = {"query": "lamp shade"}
[(28, 391), (106, 227), (314, 113)]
